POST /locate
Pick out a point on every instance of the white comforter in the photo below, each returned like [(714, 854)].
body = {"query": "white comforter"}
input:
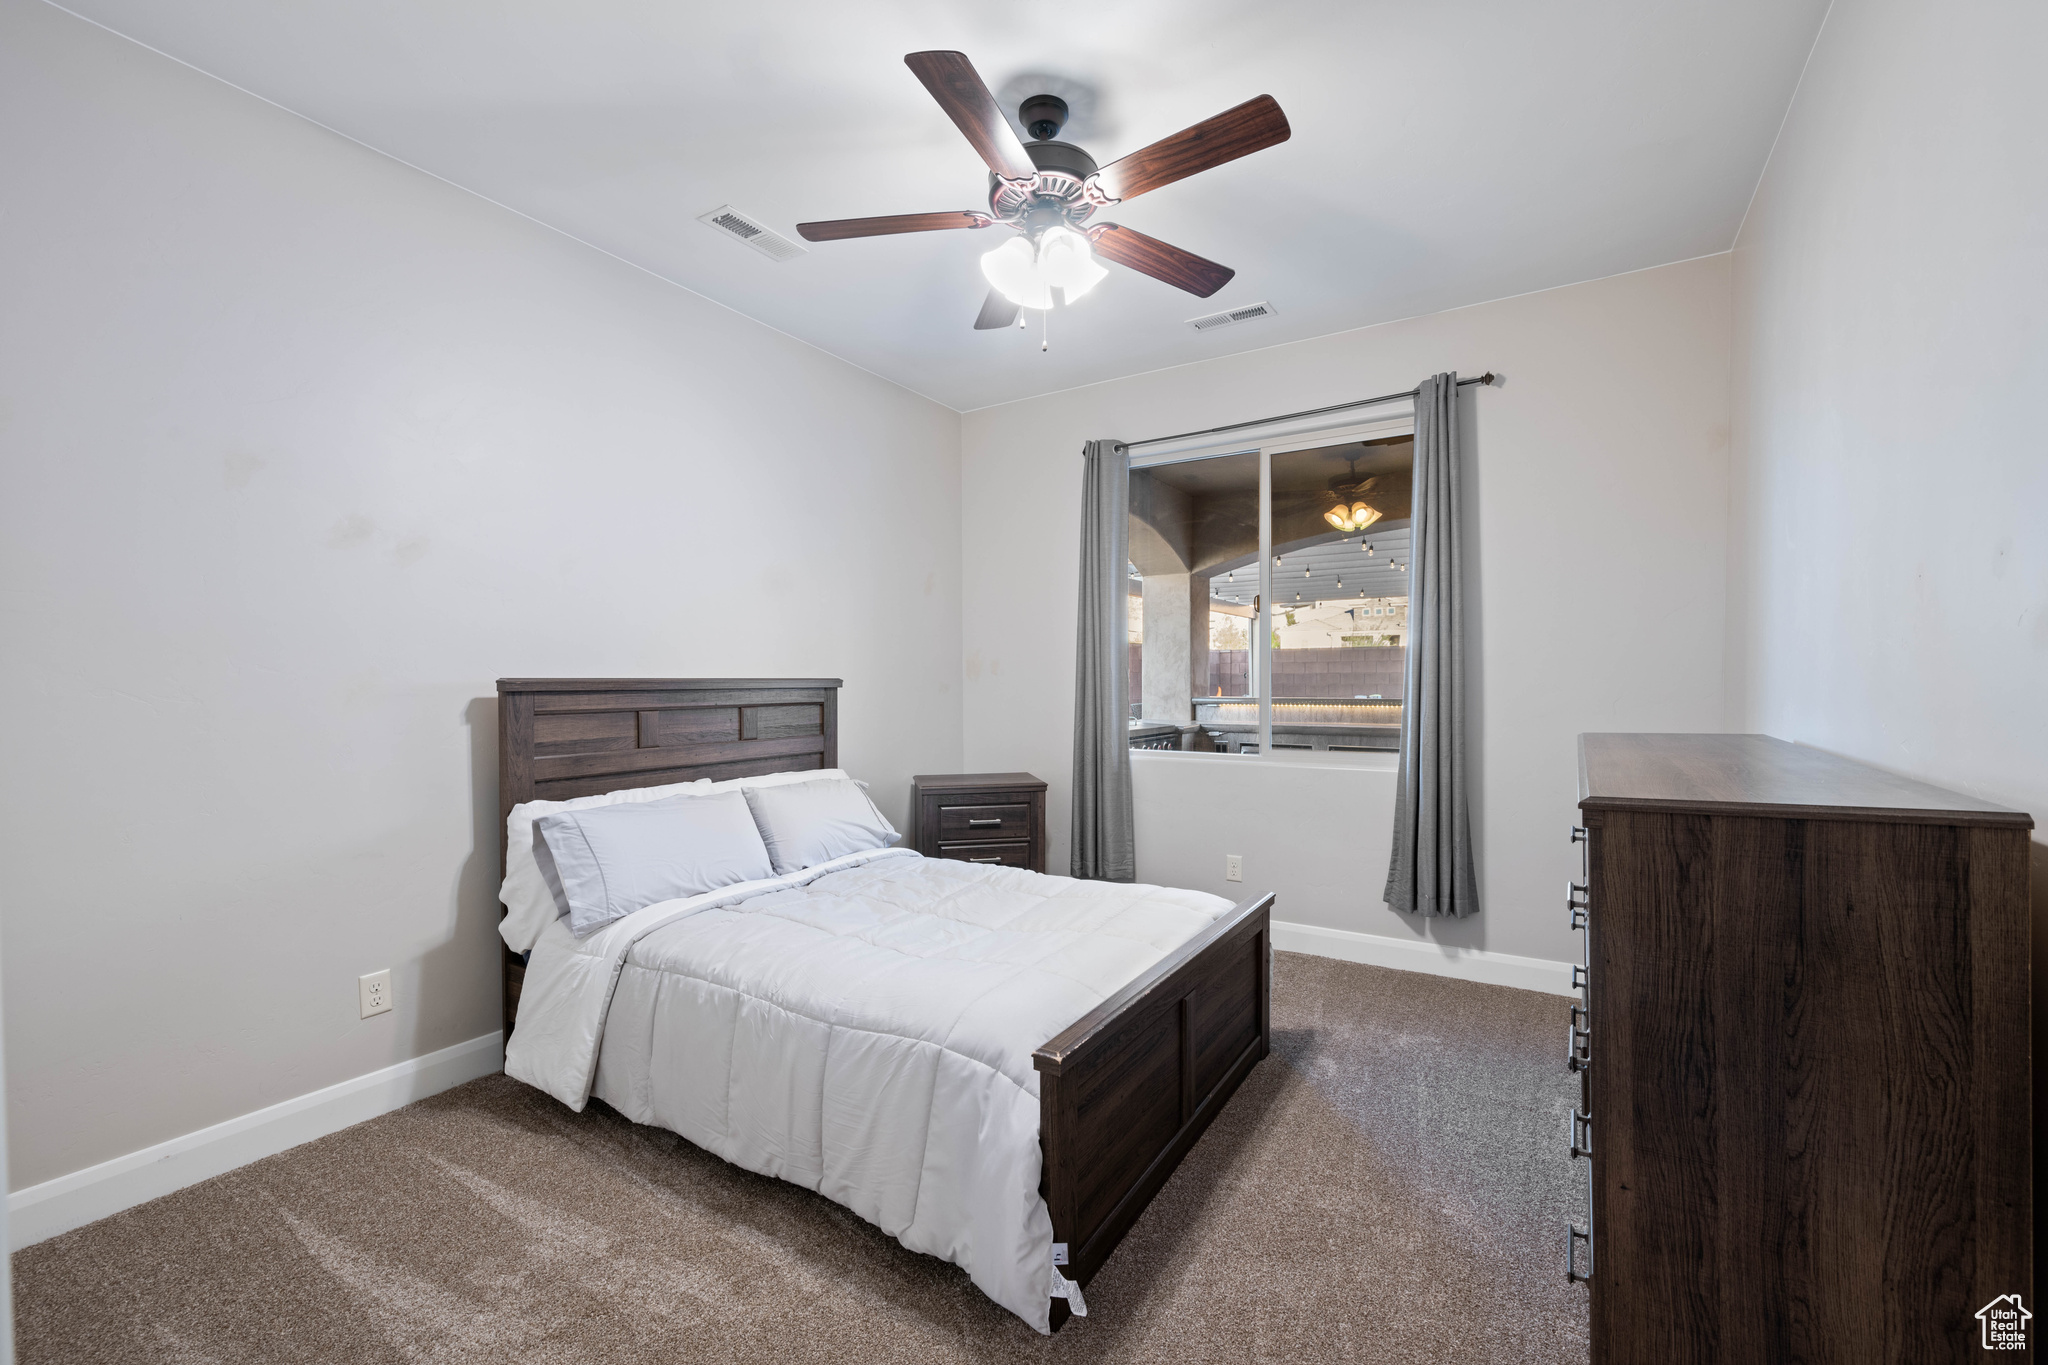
[(864, 1029)]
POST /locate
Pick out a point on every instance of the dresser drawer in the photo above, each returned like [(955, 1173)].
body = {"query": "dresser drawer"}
[(982, 823), (1007, 855)]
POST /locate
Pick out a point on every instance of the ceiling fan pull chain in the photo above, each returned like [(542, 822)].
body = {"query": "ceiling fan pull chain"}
[(1045, 342)]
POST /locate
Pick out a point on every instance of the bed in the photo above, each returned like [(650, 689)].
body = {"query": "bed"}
[(753, 1019)]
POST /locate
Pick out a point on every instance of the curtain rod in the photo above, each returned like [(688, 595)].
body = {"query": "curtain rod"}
[(1486, 378)]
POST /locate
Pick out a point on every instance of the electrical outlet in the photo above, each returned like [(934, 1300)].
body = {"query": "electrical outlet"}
[(375, 990), (1233, 867)]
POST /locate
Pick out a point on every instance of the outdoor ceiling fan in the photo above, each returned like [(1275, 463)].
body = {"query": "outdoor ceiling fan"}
[(1048, 191)]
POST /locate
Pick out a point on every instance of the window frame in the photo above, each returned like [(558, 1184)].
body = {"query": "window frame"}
[(1399, 422)]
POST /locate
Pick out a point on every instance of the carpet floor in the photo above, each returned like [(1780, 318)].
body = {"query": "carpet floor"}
[(1390, 1185)]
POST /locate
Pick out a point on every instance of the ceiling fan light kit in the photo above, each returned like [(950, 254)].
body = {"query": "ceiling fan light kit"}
[(1026, 272), (1352, 512), (1356, 517), (1047, 191)]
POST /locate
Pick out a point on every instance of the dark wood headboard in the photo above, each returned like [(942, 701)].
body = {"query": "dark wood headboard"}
[(565, 737)]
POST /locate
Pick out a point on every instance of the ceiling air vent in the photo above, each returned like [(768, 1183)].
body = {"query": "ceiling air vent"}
[(1212, 321), (737, 225)]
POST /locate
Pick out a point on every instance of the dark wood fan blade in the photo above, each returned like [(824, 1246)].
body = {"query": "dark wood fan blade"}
[(961, 93), (834, 229), (1252, 126), (1150, 256), (996, 311)]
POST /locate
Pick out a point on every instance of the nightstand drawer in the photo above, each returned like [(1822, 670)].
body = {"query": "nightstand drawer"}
[(1008, 855), (979, 817), (986, 822)]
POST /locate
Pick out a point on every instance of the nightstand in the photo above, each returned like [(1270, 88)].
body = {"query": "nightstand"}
[(979, 818)]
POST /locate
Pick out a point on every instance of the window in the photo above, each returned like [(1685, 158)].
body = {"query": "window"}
[(1300, 549)]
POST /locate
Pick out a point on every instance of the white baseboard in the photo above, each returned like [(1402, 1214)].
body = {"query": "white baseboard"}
[(85, 1196), (1411, 955)]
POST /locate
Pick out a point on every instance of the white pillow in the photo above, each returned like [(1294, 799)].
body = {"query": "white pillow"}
[(529, 904), (807, 823), (616, 859)]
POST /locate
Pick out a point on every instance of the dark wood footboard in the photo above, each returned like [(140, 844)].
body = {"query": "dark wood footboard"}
[(1124, 1093)]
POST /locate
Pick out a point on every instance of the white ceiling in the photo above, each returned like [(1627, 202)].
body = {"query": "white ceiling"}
[(1442, 154)]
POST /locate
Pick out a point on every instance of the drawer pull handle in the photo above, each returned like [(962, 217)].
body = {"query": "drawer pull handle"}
[(994, 820), (1578, 834), (998, 858), (1578, 1041), (1575, 901), (1580, 981), (1573, 1235), (1581, 1134)]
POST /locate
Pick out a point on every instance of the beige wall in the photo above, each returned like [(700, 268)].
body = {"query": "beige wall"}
[(1598, 527), (302, 450)]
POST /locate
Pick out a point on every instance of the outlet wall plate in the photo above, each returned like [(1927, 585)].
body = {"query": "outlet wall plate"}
[(1233, 867), (374, 991)]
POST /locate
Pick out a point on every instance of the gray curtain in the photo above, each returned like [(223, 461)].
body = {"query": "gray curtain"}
[(1431, 872), (1104, 849)]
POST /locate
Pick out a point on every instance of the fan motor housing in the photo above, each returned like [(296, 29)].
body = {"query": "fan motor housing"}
[(1061, 156), (1053, 196)]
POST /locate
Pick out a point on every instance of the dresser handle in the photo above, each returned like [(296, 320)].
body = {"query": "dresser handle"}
[(1578, 834), (1578, 1041), (1581, 1134), (1575, 900), (1580, 980), (998, 858), (995, 820), (1573, 1235)]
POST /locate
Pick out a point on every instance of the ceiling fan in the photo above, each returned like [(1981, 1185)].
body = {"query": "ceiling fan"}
[(1048, 190)]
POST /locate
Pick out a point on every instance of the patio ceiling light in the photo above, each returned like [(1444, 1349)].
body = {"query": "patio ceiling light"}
[(1355, 517), (1352, 513)]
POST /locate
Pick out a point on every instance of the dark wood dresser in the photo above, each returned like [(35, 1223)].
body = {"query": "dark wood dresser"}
[(1804, 1053), (979, 818)]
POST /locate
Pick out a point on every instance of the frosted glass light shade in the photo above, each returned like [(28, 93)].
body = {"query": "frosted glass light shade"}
[(1026, 273), (1066, 264), (1356, 517), (1013, 269)]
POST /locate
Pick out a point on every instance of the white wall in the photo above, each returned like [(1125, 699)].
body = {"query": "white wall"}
[(1599, 498), (1890, 554), (302, 450), (1889, 548)]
